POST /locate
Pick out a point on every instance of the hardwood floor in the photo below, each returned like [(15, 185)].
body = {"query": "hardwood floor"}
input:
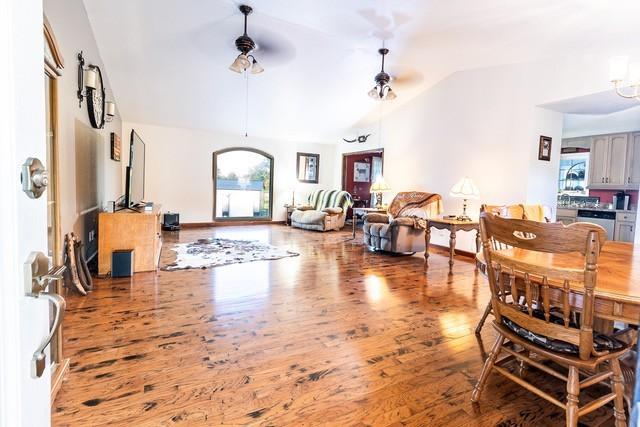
[(337, 336)]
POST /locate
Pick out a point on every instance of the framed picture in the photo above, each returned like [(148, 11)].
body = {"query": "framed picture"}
[(544, 150), (308, 167), (115, 147), (361, 172)]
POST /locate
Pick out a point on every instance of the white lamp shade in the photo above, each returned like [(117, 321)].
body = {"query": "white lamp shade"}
[(391, 95), (373, 93), (240, 64), (634, 73), (618, 67), (90, 78), (110, 108), (379, 186), (465, 189), (256, 68)]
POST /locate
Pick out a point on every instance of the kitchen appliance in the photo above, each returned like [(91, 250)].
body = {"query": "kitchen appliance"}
[(606, 219), (621, 200)]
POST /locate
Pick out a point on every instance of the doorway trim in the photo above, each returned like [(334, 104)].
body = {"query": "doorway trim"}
[(214, 174), (344, 162), (53, 65)]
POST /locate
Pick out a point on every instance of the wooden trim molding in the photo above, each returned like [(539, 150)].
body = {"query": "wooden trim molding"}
[(52, 57), (227, 223), (214, 173)]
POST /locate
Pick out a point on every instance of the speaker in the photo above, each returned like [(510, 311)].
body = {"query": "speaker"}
[(122, 263), (171, 221)]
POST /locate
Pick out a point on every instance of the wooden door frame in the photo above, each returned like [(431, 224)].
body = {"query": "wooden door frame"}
[(53, 65), (241, 220), (344, 162)]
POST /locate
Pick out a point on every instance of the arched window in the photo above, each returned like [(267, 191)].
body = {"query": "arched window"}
[(242, 184)]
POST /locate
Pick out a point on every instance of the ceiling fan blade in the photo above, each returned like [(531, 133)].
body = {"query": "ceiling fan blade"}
[(406, 79)]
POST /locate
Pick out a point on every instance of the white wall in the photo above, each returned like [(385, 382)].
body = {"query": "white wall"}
[(178, 168), (70, 25), (576, 125), (484, 123)]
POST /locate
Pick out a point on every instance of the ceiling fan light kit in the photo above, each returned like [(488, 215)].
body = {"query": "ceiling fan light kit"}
[(245, 45), (382, 91)]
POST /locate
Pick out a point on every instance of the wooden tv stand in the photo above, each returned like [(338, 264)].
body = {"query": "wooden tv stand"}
[(139, 231)]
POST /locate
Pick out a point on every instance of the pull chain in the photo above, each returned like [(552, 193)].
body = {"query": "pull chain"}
[(246, 104)]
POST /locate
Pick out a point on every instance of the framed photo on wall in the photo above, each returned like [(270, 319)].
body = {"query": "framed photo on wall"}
[(361, 172), (115, 147), (308, 167), (544, 149)]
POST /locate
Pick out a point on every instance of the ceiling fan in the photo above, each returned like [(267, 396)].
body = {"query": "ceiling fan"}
[(245, 44), (382, 91)]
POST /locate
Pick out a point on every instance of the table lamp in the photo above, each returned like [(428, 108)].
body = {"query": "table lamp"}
[(377, 188), (465, 189)]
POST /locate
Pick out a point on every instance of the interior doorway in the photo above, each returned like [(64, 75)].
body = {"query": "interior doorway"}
[(360, 169)]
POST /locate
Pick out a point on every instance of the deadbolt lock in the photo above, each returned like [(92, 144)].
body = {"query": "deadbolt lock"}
[(34, 178)]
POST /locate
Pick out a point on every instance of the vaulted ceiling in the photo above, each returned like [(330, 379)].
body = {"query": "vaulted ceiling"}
[(167, 60)]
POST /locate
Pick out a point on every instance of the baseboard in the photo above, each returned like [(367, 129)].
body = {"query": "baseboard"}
[(227, 223), (457, 251)]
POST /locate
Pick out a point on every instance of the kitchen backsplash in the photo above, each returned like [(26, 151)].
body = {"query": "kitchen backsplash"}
[(606, 196)]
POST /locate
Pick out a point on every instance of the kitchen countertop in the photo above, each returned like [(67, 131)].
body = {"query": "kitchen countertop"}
[(575, 208)]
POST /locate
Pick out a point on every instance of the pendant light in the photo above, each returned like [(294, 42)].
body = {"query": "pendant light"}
[(382, 91)]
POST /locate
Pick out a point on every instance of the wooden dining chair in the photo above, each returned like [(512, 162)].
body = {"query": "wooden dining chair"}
[(531, 323), (538, 213)]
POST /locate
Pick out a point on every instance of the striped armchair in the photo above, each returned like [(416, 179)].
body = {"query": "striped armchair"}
[(325, 210)]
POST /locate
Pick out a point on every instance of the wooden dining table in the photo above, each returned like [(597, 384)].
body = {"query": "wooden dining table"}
[(617, 291)]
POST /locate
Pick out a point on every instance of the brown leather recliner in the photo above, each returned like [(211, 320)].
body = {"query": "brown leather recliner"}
[(401, 230)]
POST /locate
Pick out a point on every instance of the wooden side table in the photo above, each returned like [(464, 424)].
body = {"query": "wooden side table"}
[(453, 225), (361, 212), (287, 218)]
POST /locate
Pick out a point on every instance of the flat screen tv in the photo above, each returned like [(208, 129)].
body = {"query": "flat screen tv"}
[(134, 193)]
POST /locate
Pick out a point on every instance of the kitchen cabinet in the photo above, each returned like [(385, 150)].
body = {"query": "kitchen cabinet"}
[(633, 161), (599, 160), (611, 162), (624, 231)]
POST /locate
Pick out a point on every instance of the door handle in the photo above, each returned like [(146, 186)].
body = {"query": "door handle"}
[(38, 277), (39, 360)]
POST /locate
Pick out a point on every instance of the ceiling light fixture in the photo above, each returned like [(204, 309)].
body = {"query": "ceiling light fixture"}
[(382, 91), (625, 76), (245, 45)]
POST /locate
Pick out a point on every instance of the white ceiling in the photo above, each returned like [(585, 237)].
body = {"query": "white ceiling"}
[(596, 103), (167, 60)]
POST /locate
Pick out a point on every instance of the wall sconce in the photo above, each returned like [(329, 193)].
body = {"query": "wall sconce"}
[(109, 111), (91, 87), (87, 78)]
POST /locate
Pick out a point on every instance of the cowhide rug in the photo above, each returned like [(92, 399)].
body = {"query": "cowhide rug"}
[(206, 253)]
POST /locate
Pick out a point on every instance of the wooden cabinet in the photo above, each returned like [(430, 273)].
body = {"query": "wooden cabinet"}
[(625, 223), (608, 161), (599, 160), (624, 231), (616, 172), (130, 230), (633, 161)]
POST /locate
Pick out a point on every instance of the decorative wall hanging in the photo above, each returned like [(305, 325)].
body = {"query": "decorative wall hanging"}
[(361, 172), (308, 167), (544, 148), (360, 139), (115, 147), (91, 87)]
